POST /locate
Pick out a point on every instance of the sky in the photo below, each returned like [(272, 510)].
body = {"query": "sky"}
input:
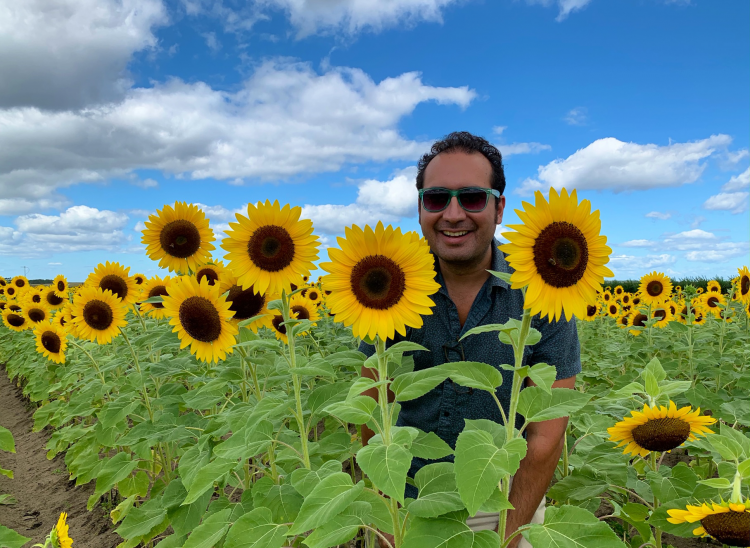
[(110, 109)]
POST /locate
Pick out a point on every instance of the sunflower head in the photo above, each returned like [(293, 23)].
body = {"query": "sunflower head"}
[(3, 283), (15, 320), (60, 286), (592, 311), (154, 287), (36, 313), (115, 278), (626, 298), (663, 315), (743, 285), (613, 309), (624, 320), (97, 314), (61, 532), (215, 272), (246, 304), (655, 288), (52, 299), (727, 522), (713, 302), (638, 318), (19, 282), (713, 287), (50, 341)]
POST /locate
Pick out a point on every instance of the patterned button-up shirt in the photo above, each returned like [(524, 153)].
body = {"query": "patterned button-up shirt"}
[(443, 409)]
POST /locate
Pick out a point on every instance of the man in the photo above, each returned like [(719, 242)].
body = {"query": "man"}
[(460, 230)]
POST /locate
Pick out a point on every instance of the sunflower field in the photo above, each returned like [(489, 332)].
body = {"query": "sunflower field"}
[(223, 404)]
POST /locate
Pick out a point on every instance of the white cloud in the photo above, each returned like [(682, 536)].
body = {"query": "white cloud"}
[(522, 148), (144, 183), (615, 165), (738, 182), (498, 130), (577, 116), (719, 252), (17, 206), (627, 264), (658, 215), (638, 243), (60, 54), (734, 202), (211, 41), (286, 120), (499, 233), (566, 7), (698, 245), (54, 264), (220, 213), (139, 227)]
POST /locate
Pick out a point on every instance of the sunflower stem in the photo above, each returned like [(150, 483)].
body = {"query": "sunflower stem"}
[(736, 497), (93, 361), (655, 467), (146, 399)]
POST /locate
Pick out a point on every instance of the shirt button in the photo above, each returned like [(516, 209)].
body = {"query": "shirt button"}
[(446, 414)]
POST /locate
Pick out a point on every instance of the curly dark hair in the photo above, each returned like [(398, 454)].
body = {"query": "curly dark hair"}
[(463, 141)]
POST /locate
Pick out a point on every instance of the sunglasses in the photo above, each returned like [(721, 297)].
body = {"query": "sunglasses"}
[(471, 199)]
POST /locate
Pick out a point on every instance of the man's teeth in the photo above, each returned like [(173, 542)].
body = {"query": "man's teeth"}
[(455, 234)]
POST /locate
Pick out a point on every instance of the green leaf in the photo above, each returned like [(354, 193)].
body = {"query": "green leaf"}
[(357, 410), (283, 501), (386, 466), (572, 527), (533, 337), (717, 483), (477, 375), (340, 529), (744, 469), (10, 539), (448, 531), (543, 375), (134, 485), (488, 328), (438, 493), (186, 518), (142, 519), (6, 473), (496, 503), (504, 276), (206, 476), (256, 529), (113, 471), (246, 442), (304, 480), (410, 386), (6, 441), (380, 515), (404, 346), (329, 498), (727, 447), (326, 395), (209, 533), (583, 484), (428, 445), (742, 440), (536, 405)]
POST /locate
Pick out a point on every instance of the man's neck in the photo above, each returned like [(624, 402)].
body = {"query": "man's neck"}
[(466, 274)]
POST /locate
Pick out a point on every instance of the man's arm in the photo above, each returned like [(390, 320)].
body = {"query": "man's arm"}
[(545, 442)]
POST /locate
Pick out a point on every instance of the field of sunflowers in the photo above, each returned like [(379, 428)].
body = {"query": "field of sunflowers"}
[(223, 405)]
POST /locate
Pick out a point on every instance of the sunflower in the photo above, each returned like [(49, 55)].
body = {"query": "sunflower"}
[(558, 253), (743, 285), (381, 281), (663, 315), (179, 237), (619, 290), (61, 532), (215, 272), (154, 287), (33, 295), (11, 291), (62, 318), (271, 249), (139, 279), (246, 304), (626, 298), (302, 308), (19, 282), (624, 320), (276, 325), (655, 288), (51, 299), (115, 278), (613, 309), (713, 287), (592, 311), (606, 296), (97, 314), (659, 428), (637, 319), (315, 296), (673, 307), (15, 320), (710, 301), (36, 313), (200, 316), (2, 291), (727, 522), (699, 290), (3, 283), (3, 304), (636, 300), (50, 341), (60, 285)]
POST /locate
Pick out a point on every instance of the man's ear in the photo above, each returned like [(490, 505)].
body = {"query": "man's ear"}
[(499, 210)]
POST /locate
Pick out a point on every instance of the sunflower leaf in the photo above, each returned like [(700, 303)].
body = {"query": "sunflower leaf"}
[(571, 527), (11, 539), (410, 386), (477, 375), (438, 493), (386, 466), (537, 405), (327, 500), (6, 441)]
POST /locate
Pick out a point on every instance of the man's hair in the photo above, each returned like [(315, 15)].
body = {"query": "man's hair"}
[(463, 141)]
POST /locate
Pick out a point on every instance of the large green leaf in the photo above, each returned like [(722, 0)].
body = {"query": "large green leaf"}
[(6, 441), (571, 527), (386, 466), (247, 442), (283, 501), (410, 386), (209, 533), (206, 476), (438, 493), (583, 484), (537, 405), (304, 480), (340, 529), (10, 539), (543, 376), (329, 498), (428, 445), (142, 519), (113, 471), (185, 518), (357, 410), (448, 531), (477, 375), (256, 529)]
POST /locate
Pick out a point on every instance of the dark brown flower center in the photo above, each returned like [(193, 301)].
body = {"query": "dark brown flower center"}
[(732, 528), (590, 311), (639, 320), (744, 285), (208, 273), (561, 254), (661, 434), (377, 282), (51, 342), (625, 299), (61, 286), (14, 307), (301, 311), (200, 319), (36, 315), (712, 302), (115, 284), (624, 320), (612, 309), (98, 315), (245, 303), (655, 288), (313, 295), (11, 291), (138, 280), (20, 283), (36, 298), (157, 291), (15, 320), (660, 314), (2, 282), (276, 322), (636, 301), (180, 239), (53, 299), (3, 304), (271, 248)]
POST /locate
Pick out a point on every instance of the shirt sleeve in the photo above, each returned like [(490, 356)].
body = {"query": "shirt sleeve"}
[(559, 346)]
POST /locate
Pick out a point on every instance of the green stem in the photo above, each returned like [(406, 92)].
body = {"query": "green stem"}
[(93, 361), (657, 531), (146, 399)]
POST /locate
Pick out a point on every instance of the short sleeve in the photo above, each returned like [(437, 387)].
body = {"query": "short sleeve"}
[(366, 349), (559, 346)]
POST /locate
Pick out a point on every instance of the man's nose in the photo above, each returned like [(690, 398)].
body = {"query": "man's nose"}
[(454, 212)]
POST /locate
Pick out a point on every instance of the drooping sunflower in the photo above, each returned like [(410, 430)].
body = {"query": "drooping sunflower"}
[(51, 299), (727, 522), (154, 287), (713, 287), (592, 311), (655, 288), (61, 532), (558, 253), (380, 280), (743, 285), (50, 341), (20, 282), (246, 304), (659, 428), (115, 278), (179, 237), (710, 301), (60, 285), (201, 318), (97, 314), (271, 249), (15, 320), (215, 272)]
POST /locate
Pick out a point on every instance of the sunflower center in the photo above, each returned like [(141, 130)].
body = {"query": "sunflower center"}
[(15, 320), (301, 311), (180, 238), (14, 307), (744, 285), (20, 283), (636, 301), (157, 291), (639, 320), (712, 302), (377, 282), (276, 322), (51, 342), (732, 528), (561, 254), (313, 296), (624, 320), (271, 248), (660, 313), (53, 299), (208, 273), (37, 315), (590, 310), (36, 298), (654, 288), (61, 286), (245, 304), (661, 434), (138, 280), (11, 291), (115, 284), (97, 315), (612, 309), (200, 319)]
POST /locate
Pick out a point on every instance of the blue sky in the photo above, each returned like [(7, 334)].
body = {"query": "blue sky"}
[(110, 109)]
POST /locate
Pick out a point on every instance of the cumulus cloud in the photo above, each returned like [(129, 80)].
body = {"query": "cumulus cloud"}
[(623, 265), (615, 165), (698, 246), (522, 148), (63, 54), (738, 182), (577, 116), (733, 196), (658, 215), (638, 243)]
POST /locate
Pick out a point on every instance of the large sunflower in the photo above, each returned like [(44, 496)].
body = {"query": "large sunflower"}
[(655, 288), (115, 278), (178, 237), (15, 320), (97, 314), (246, 304), (60, 285), (727, 522), (381, 281), (201, 318), (743, 285), (154, 287), (20, 282), (50, 341), (51, 299), (558, 253), (659, 428), (272, 248), (36, 313)]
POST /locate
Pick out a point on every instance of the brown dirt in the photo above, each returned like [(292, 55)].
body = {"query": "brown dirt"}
[(41, 487)]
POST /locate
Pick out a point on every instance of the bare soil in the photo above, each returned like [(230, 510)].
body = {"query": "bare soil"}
[(40, 486)]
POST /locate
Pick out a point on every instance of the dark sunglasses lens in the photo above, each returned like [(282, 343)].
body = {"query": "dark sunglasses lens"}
[(473, 200), (435, 200)]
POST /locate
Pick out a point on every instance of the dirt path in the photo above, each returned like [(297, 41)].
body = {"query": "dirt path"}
[(41, 487)]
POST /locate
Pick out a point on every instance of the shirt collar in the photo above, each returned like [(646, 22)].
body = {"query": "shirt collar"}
[(497, 263)]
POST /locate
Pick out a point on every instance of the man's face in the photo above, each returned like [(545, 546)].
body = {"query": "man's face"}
[(455, 235)]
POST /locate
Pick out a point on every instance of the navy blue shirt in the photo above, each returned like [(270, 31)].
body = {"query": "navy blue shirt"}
[(443, 409)]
